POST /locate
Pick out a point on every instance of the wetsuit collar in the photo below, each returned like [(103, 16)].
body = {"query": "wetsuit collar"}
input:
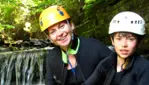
[(73, 49)]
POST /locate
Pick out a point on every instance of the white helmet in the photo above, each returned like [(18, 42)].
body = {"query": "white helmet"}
[(127, 22)]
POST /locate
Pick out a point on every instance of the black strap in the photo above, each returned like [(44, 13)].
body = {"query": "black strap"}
[(81, 71)]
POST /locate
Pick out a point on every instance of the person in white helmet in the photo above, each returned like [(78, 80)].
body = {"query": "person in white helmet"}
[(124, 66)]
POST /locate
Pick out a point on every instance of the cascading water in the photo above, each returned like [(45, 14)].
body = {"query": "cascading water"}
[(22, 67)]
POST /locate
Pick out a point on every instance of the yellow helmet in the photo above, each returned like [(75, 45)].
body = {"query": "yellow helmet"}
[(51, 16)]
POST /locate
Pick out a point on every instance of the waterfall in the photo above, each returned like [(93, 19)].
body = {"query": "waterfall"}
[(26, 67)]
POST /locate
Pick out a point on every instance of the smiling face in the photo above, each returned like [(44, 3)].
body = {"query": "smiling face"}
[(60, 34), (124, 43)]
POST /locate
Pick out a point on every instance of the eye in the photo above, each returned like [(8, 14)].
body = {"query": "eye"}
[(61, 26), (131, 38), (118, 38), (52, 32)]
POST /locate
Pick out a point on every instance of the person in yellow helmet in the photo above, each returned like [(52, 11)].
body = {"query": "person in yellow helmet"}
[(73, 58), (125, 66)]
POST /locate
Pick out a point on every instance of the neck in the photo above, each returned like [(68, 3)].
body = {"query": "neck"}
[(120, 60), (65, 48), (121, 63)]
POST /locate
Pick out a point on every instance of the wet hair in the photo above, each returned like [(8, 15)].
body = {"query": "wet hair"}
[(139, 37)]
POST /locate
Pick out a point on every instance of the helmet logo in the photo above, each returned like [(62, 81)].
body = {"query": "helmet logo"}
[(60, 12), (41, 24)]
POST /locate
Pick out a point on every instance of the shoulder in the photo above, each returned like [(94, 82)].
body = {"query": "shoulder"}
[(90, 40), (141, 68), (94, 48), (107, 64), (141, 64), (53, 52), (93, 43), (140, 60), (109, 61)]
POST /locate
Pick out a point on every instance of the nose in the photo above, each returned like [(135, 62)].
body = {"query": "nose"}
[(59, 32), (124, 43)]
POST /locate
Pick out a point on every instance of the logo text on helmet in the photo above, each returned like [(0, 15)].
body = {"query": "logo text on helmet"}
[(60, 12)]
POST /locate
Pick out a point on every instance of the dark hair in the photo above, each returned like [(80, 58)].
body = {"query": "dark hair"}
[(139, 37)]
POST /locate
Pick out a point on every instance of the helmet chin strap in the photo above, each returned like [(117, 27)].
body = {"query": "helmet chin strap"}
[(70, 27)]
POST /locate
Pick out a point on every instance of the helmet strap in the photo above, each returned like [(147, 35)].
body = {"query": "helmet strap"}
[(67, 21), (70, 27)]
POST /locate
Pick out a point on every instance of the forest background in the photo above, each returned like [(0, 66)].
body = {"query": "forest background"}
[(19, 18)]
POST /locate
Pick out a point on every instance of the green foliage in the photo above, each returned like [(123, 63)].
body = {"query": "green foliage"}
[(91, 3), (16, 13)]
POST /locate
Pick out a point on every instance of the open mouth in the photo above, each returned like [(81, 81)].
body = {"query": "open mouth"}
[(124, 52), (63, 39)]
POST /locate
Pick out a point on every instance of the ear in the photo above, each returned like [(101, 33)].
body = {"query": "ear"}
[(49, 39), (72, 26), (112, 41)]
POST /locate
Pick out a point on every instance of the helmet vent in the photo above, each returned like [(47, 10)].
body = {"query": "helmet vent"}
[(140, 21), (114, 21), (136, 22), (118, 21)]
